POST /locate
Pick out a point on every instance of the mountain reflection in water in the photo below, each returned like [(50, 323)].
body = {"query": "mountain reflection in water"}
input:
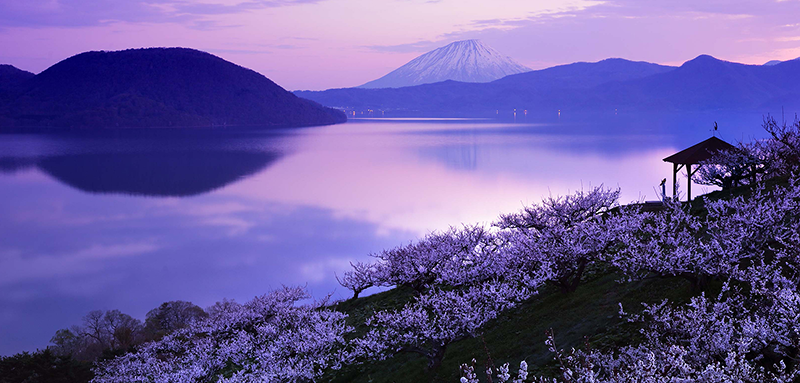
[(163, 166)]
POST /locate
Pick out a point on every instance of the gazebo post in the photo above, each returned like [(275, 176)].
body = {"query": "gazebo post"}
[(675, 169), (688, 182), (674, 180)]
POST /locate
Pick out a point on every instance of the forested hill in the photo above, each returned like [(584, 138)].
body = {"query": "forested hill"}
[(702, 84), (10, 80), (155, 87)]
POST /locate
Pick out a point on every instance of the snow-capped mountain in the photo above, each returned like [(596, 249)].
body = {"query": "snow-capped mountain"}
[(468, 61)]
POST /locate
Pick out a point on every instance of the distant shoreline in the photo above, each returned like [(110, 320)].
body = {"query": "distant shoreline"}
[(163, 129)]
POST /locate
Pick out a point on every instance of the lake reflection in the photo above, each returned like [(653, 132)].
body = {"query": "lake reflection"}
[(158, 164), (128, 222)]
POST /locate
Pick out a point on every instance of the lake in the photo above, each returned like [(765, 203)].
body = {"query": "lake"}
[(130, 220)]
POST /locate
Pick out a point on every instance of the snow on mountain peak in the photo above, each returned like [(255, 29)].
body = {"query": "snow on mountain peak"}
[(467, 60)]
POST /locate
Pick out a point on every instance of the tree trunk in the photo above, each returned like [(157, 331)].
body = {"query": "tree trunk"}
[(435, 354), (435, 357), (699, 282), (570, 281)]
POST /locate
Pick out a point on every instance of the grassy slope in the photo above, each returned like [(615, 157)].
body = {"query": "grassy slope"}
[(590, 314)]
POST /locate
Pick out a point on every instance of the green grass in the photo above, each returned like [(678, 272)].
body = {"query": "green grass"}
[(590, 315)]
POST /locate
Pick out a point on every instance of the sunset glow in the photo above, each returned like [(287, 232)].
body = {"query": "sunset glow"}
[(320, 44)]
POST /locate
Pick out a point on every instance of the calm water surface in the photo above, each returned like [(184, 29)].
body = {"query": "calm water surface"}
[(128, 222)]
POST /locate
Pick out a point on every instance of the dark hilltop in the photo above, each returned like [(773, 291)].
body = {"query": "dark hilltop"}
[(10, 80), (147, 88)]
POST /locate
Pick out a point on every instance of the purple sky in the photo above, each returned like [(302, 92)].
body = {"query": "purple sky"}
[(320, 44)]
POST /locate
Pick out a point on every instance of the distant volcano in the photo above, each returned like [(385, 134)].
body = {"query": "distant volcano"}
[(467, 61)]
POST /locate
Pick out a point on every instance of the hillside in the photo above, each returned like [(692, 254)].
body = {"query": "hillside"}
[(467, 61), (10, 80), (589, 315), (156, 87), (702, 84), (706, 83), (587, 318), (11, 76), (583, 75)]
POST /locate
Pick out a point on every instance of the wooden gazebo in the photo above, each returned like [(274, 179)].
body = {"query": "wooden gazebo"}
[(693, 156)]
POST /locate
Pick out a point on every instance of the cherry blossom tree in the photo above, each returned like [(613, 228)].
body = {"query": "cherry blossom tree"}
[(556, 240), (436, 319), (361, 277), (746, 334), (743, 165), (468, 374), (731, 234), (456, 256), (749, 332), (753, 162), (784, 147), (271, 338), (562, 236)]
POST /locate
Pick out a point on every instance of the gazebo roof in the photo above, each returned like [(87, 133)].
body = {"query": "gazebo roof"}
[(700, 152)]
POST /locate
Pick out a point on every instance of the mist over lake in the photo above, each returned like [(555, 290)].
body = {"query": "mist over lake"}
[(130, 220)]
